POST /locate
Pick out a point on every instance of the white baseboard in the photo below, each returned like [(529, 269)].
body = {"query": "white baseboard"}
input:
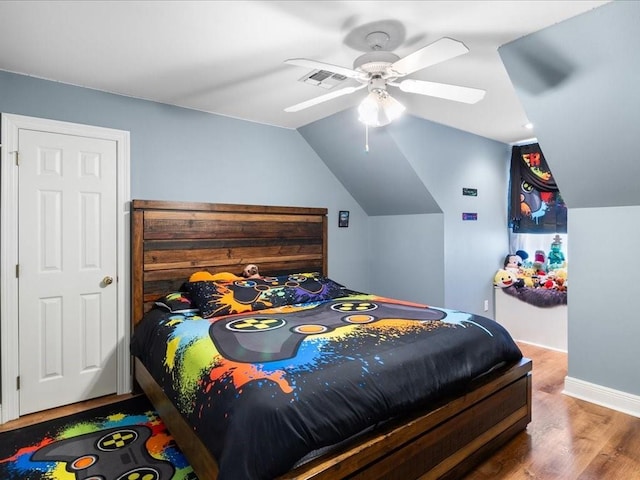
[(541, 345), (604, 396)]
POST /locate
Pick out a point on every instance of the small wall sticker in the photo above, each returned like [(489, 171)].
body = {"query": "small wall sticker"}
[(343, 218)]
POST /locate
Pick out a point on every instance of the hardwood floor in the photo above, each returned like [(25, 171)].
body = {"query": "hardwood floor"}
[(568, 439)]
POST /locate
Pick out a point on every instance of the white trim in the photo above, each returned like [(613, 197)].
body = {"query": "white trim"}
[(9, 354), (9, 283), (604, 396), (525, 141), (541, 346)]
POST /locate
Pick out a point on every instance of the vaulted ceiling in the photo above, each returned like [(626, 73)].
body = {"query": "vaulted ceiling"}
[(227, 57)]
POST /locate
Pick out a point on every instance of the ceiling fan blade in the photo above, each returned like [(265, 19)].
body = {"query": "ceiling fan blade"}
[(313, 64), (436, 52), (323, 98), (442, 90)]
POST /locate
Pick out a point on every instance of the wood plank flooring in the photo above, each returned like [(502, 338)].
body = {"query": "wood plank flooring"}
[(568, 439)]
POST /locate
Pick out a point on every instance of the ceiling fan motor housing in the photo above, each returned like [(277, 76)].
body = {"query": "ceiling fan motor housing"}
[(378, 85), (375, 62)]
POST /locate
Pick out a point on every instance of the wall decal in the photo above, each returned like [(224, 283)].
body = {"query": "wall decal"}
[(343, 218)]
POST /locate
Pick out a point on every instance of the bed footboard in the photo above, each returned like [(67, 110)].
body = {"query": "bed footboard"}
[(443, 443)]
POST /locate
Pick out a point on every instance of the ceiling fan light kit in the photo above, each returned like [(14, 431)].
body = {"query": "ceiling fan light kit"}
[(380, 68), (379, 109)]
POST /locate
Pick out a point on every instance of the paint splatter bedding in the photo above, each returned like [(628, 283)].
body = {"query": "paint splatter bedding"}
[(264, 388)]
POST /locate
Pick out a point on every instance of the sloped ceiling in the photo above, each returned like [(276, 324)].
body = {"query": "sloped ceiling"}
[(579, 83), (227, 57), (381, 180)]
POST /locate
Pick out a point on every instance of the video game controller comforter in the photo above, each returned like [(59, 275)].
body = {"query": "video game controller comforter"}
[(264, 389)]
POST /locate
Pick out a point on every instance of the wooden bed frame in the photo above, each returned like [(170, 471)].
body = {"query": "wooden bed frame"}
[(171, 240)]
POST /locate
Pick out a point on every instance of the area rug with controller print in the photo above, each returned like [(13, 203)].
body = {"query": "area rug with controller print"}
[(126, 440)]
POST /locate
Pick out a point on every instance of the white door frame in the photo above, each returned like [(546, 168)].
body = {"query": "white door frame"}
[(9, 351)]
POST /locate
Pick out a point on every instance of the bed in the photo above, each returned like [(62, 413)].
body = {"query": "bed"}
[(344, 390)]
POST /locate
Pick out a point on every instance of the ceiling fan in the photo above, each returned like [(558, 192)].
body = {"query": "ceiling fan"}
[(380, 68)]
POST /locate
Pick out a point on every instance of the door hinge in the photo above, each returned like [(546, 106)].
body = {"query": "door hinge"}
[(17, 157), (18, 382), (18, 271)]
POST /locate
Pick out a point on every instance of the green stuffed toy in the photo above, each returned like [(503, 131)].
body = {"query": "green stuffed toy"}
[(556, 257)]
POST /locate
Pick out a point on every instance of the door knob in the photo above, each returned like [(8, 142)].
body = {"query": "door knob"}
[(107, 280)]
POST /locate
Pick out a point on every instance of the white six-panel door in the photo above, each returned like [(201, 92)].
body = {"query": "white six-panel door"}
[(67, 269)]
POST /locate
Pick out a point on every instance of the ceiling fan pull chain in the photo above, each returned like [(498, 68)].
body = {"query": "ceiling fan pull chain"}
[(366, 138)]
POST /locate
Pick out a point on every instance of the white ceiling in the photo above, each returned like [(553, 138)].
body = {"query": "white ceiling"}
[(226, 57)]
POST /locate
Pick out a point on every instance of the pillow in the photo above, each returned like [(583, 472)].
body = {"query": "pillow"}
[(216, 298), (216, 277), (177, 302)]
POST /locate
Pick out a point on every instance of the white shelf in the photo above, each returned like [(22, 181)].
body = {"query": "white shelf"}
[(546, 327)]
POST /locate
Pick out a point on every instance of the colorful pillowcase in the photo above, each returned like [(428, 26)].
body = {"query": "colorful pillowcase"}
[(216, 298), (177, 302)]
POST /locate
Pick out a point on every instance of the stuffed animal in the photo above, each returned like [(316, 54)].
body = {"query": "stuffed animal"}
[(540, 263), (523, 258), (505, 278), (527, 276), (251, 271), (556, 257), (512, 262), (561, 279), (549, 283), (216, 277), (561, 273)]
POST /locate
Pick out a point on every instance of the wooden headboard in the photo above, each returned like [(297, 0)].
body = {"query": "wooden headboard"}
[(172, 240)]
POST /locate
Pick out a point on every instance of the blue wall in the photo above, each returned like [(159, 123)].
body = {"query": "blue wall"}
[(410, 183), (182, 154), (447, 160), (586, 118), (408, 257)]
